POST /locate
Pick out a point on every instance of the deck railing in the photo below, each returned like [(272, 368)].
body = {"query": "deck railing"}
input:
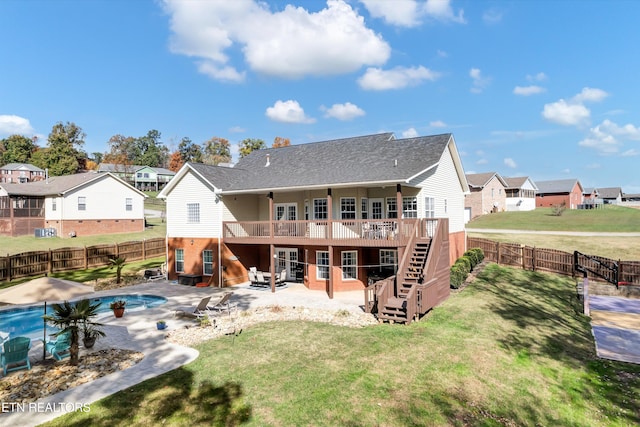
[(387, 232)]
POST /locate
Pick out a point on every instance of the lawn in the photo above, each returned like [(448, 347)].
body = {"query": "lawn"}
[(495, 353), (609, 219), (15, 245)]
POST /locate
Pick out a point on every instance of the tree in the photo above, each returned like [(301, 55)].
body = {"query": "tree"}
[(97, 157), (121, 152), (190, 152), (216, 150), (250, 144), (118, 263), (176, 162), (70, 318), (149, 150), (279, 142), (18, 149), (63, 155)]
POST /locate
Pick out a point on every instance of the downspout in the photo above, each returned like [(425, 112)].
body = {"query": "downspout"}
[(272, 249)]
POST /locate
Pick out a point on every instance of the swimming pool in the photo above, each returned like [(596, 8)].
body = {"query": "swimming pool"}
[(27, 321)]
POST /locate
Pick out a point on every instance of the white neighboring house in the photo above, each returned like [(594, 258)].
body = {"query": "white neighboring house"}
[(521, 194), (75, 205)]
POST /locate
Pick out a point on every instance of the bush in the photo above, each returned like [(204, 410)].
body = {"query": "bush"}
[(465, 262), (472, 257), (479, 254), (457, 275)]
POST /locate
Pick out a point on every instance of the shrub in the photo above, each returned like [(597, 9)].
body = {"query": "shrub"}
[(465, 262), (472, 257), (457, 275), (479, 254)]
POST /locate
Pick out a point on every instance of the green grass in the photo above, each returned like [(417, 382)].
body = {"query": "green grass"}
[(16, 245), (609, 219), (511, 349)]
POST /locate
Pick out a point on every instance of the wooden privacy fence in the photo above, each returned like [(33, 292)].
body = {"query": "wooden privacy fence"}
[(29, 264), (552, 260)]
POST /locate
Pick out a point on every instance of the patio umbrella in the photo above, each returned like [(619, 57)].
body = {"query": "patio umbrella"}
[(42, 290)]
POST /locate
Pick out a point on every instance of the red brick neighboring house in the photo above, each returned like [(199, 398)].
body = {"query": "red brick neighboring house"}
[(19, 173), (560, 191), (487, 194)]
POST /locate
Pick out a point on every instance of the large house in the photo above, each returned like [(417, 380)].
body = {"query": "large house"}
[(336, 215), (20, 173), (144, 178), (487, 194), (71, 205), (611, 195), (559, 192), (521, 194)]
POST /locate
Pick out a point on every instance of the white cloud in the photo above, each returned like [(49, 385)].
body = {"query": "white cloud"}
[(442, 53), (438, 124), (479, 81), (593, 166), (528, 90), (510, 163), (289, 43), (590, 95), (237, 129), (608, 137), (566, 113), (441, 10), (396, 78), (566, 171), (346, 111), (408, 13), (288, 112), (482, 162), (410, 133), (492, 16), (15, 125), (540, 77), (630, 153)]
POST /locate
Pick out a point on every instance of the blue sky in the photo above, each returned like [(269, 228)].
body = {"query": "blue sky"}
[(546, 89)]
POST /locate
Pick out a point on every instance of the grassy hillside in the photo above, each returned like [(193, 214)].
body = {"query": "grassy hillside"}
[(609, 219), (511, 349)]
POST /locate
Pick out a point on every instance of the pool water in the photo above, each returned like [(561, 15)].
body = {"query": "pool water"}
[(27, 321)]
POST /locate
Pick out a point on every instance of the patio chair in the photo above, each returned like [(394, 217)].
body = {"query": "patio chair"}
[(282, 278), (59, 347), (252, 278), (198, 311), (223, 304), (16, 352), (260, 280)]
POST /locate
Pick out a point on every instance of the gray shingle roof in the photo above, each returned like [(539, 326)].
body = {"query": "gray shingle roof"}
[(517, 181), (348, 161), (117, 168), (480, 180), (610, 192), (21, 166), (55, 185), (557, 186)]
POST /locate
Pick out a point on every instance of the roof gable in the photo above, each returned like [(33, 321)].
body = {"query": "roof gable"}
[(480, 180)]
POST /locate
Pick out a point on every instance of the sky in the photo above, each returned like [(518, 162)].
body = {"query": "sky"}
[(545, 89)]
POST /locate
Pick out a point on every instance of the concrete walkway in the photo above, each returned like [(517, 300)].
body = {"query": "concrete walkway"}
[(137, 331)]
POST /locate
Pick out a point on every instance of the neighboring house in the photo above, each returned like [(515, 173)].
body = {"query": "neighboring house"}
[(335, 214), (590, 199), (611, 195), (72, 205), (487, 194), (558, 192), (521, 194), (145, 178), (20, 173)]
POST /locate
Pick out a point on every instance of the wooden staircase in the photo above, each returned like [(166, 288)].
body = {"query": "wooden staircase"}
[(395, 308)]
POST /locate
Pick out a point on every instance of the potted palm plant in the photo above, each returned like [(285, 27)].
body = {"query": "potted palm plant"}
[(118, 307), (161, 324), (90, 333)]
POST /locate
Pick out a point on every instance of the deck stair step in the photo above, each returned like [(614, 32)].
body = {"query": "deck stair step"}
[(395, 310)]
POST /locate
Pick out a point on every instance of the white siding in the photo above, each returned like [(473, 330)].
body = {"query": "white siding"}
[(444, 185), (105, 199), (50, 214), (190, 189)]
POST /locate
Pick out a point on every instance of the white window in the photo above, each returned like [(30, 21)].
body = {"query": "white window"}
[(388, 259), (193, 212), (320, 209), (429, 207), (349, 265), (348, 208), (392, 207), (54, 204), (322, 264), (364, 208), (180, 260), (139, 174), (82, 203), (128, 204), (410, 207), (207, 262), (306, 210)]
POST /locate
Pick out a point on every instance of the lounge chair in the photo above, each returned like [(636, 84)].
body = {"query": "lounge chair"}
[(260, 280), (195, 312), (59, 347), (252, 278), (223, 304), (16, 352), (282, 278)]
